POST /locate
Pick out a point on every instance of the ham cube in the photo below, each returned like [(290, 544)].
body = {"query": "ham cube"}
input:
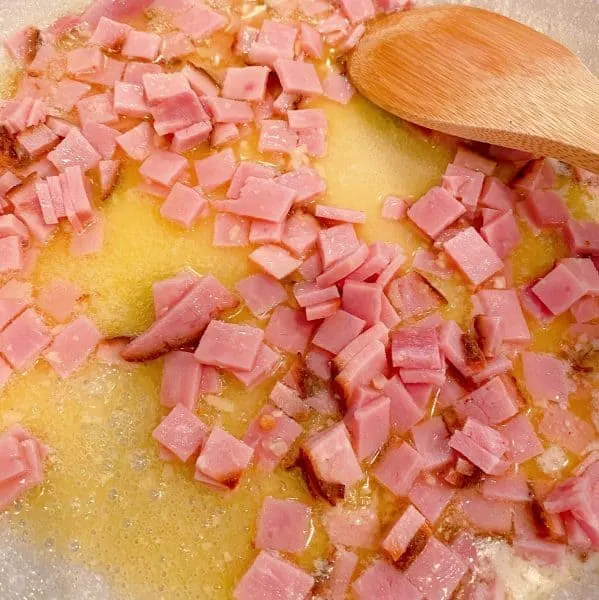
[(15, 297), (369, 426), (159, 87), (178, 112), (181, 432), (168, 292), (271, 434), (337, 87), (223, 458), (435, 211), (58, 299), (190, 137), (84, 60), (566, 429), (229, 346), (403, 531), (275, 261), (306, 182), (546, 378), (300, 233), (384, 582), (223, 133), (261, 293), (289, 401), (111, 71), (267, 362), (183, 205), (338, 330), (184, 323), (308, 294), (490, 404), (362, 368), (332, 457), (216, 169), (102, 138), (263, 232), (288, 330), (163, 167), (224, 110), (437, 571), (199, 22), (245, 170), (109, 34), (431, 439), (129, 100), (38, 140), (363, 300), (336, 243), (79, 191), (510, 489), (540, 551), (559, 289), (524, 443), (412, 295), (487, 515), (586, 270), (276, 136), (344, 565), (404, 412), (200, 83), (505, 305), (74, 150), (174, 46), (23, 340), (138, 142), (548, 208), (97, 109), (394, 208), (481, 449), (431, 496), (283, 525), (181, 379), (502, 234), (475, 258), (311, 41), (11, 226), (582, 237), (415, 348), (398, 468), (260, 199), (72, 346), (298, 77), (272, 578), (357, 528), (245, 83), (586, 309), (141, 44)]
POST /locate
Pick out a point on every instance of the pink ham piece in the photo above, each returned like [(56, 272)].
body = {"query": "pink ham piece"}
[(362, 368), (306, 182), (384, 582), (263, 232), (319, 362), (559, 289), (546, 378), (23, 340), (141, 44), (229, 346), (338, 330), (337, 87), (181, 433), (111, 72), (582, 237), (586, 309), (223, 459), (245, 170), (275, 261), (88, 241), (363, 300), (138, 142), (58, 299), (223, 133), (245, 83), (84, 60), (547, 208), (524, 443), (415, 348), (311, 268), (191, 137), (266, 364), (481, 445), (200, 83), (65, 95), (566, 429), (129, 100), (261, 293), (298, 77), (487, 515), (404, 412), (586, 271), (271, 434), (316, 312), (332, 457), (377, 332), (163, 167), (336, 243), (403, 531), (184, 323), (437, 571), (181, 379), (159, 86), (491, 403), (435, 211), (394, 208), (11, 226), (475, 258), (260, 199), (300, 233), (102, 138), (502, 234), (276, 136), (8, 181), (216, 169), (469, 159), (97, 109), (311, 41), (431, 496), (412, 295), (289, 401), (72, 346), (541, 551), (283, 525), (505, 305), (289, 330), (510, 489), (199, 22), (308, 294), (398, 468), (183, 205), (378, 259), (109, 34), (223, 110), (369, 426), (178, 112), (22, 45), (168, 292), (357, 528), (74, 150), (431, 439), (464, 184), (37, 140), (112, 10), (174, 46), (344, 565), (273, 578), (21, 464)]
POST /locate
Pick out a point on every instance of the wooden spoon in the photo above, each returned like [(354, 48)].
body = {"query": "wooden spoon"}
[(481, 76)]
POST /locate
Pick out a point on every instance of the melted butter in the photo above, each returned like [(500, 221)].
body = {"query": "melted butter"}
[(143, 523)]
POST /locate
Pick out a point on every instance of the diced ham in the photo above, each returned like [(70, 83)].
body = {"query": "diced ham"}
[(109, 175), (476, 449), (245, 170), (181, 379), (464, 184), (337, 87), (88, 241), (23, 340), (586, 309), (582, 237), (273, 578), (344, 565), (287, 399), (541, 551), (267, 362), (216, 170), (8, 181), (336, 243), (307, 293), (84, 60), (138, 142), (190, 137), (22, 45), (288, 330), (505, 305), (163, 167), (177, 112), (369, 426), (97, 109), (559, 289), (337, 331), (306, 182), (271, 434), (264, 232), (548, 208), (524, 443), (435, 211), (362, 368), (130, 101), (223, 458), (502, 234), (183, 205), (199, 81), (111, 72), (199, 22), (403, 531), (425, 261), (224, 110), (475, 258), (563, 427), (384, 582), (74, 150), (353, 348), (357, 528), (412, 295), (261, 293), (546, 378), (141, 44), (245, 83), (283, 525), (363, 300), (276, 136), (223, 133), (58, 299), (102, 138), (38, 140), (510, 489), (109, 34), (174, 46), (297, 77), (184, 323), (491, 404), (332, 457), (11, 226), (415, 348), (431, 439), (275, 261), (398, 468), (72, 346), (181, 432), (431, 496), (586, 271)]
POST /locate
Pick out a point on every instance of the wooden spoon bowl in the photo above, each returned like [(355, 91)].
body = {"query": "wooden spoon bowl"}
[(479, 75)]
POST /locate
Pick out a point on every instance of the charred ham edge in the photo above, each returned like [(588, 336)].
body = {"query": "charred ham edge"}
[(13, 152), (331, 492), (415, 547), (306, 383), (452, 420), (474, 356), (204, 66), (33, 43), (540, 516)]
